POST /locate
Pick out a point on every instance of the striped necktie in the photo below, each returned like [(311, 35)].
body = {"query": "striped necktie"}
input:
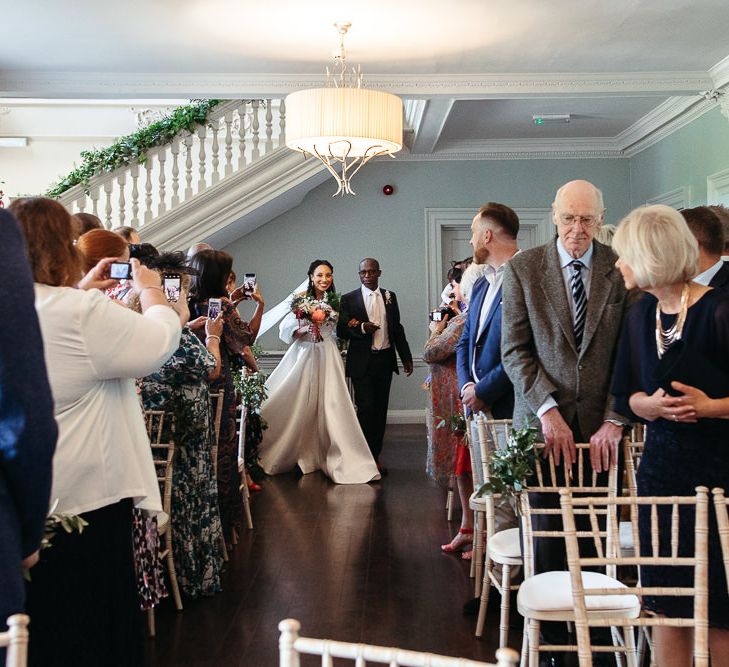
[(580, 299)]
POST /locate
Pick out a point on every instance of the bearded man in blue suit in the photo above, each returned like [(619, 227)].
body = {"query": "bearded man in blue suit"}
[(482, 381)]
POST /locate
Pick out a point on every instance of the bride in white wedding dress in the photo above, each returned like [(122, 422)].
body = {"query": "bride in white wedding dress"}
[(311, 418)]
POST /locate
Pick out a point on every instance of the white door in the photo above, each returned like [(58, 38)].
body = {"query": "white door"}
[(449, 232)]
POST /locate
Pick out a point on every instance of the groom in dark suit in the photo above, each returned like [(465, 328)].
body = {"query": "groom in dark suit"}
[(370, 321)]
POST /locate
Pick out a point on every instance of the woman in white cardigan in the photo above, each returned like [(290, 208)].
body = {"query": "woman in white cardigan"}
[(82, 597)]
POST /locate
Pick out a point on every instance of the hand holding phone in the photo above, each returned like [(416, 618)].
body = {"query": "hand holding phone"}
[(171, 285), (249, 284), (215, 307), (120, 270)]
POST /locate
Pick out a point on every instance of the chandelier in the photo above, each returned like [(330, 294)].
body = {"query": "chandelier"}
[(343, 124)]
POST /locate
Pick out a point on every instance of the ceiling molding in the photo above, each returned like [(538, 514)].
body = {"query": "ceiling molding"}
[(461, 86), (414, 110), (719, 73), (528, 153), (669, 126)]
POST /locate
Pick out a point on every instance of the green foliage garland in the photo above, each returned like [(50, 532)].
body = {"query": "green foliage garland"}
[(68, 522), (134, 146), (511, 466), (252, 389), (455, 422)]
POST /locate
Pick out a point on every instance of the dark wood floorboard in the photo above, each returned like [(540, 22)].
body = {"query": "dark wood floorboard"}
[(357, 563)]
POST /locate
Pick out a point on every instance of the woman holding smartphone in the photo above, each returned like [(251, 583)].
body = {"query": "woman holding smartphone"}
[(208, 291), (83, 597)]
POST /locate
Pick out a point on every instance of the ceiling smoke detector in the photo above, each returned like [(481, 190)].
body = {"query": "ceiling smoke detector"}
[(549, 118)]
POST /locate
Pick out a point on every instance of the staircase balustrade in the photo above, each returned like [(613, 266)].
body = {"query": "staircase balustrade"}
[(175, 173)]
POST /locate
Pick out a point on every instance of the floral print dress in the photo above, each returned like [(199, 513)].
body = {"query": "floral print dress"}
[(443, 444), (236, 335), (180, 387)]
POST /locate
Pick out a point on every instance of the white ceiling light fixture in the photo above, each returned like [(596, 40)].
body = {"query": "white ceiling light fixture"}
[(344, 123), (13, 142)]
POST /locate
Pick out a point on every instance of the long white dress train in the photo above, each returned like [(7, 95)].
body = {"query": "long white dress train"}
[(311, 419)]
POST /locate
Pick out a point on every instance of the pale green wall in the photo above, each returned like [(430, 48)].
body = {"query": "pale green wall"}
[(393, 229), (685, 158)]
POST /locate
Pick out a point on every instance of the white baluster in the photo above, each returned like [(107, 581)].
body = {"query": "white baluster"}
[(255, 153), (282, 123), (162, 157), (215, 127), (134, 172), (175, 150), (242, 135), (269, 128), (81, 203), (148, 189), (201, 133), (228, 143), (107, 189), (188, 167), (121, 179), (94, 194)]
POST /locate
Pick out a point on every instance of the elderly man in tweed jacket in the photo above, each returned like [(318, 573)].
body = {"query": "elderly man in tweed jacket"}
[(563, 306)]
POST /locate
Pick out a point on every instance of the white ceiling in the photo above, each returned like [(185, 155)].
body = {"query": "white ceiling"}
[(479, 68)]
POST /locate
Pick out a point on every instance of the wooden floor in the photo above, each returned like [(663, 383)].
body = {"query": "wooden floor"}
[(358, 563)]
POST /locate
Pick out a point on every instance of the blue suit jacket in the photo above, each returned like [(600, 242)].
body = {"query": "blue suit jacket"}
[(27, 428), (494, 388)]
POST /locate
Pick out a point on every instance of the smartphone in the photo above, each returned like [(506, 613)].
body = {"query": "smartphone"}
[(436, 316), (249, 284), (214, 308), (120, 270), (171, 285)]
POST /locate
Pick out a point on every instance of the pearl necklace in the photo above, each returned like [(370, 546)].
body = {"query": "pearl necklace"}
[(667, 337)]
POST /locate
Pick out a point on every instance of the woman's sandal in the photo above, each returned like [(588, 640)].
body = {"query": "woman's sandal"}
[(463, 538)]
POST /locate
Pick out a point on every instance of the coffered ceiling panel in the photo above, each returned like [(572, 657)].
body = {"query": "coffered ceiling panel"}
[(481, 120)]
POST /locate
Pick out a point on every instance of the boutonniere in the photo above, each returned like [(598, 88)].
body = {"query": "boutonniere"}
[(388, 297)]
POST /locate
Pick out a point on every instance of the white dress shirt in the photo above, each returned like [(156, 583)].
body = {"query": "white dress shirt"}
[(494, 277), (94, 349), (376, 313), (705, 277), (565, 259)]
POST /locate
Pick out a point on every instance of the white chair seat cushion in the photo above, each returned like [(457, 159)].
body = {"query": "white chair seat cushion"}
[(552, 591), (505, 544), (626, 536)]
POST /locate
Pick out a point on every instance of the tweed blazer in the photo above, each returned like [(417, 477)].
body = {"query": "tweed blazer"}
[(538, 345)]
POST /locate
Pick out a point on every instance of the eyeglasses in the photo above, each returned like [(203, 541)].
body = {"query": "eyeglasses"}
[(585, 220)]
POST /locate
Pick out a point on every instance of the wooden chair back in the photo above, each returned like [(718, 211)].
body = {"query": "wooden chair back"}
[(216, 403), (663, 551), (633, 453), (549, 481), (291, 646), (15, 640), (163, 455), (490, 432), (722, 519)]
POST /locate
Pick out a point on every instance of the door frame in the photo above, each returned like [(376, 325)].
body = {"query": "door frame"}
[(536, 221)]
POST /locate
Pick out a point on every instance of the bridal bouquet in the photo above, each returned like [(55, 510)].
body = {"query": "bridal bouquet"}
[(316, 311)]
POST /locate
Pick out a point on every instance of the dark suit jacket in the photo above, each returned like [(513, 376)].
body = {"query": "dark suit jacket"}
[(484, 347), (27, 428), (538, 342), (721, 279), (360, 344)]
